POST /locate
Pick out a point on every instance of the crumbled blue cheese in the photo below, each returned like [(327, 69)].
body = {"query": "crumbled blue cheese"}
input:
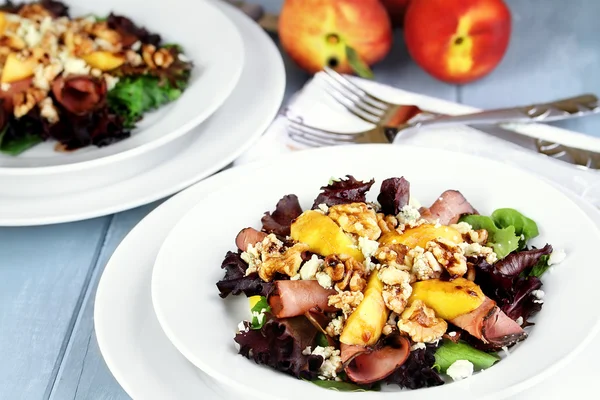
[(539, 295), (29, 32), (332, 361), (75, 66), (462, 227), (519, 321), (505, 350), (556, 257), (460, 369), (408, 215), (418, 346), (324, 280), (336, 326), (242, 327), (368, 248), (323, 207), (310, 268)]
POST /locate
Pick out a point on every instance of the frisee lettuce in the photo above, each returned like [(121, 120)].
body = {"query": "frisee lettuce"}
[(132, 96)]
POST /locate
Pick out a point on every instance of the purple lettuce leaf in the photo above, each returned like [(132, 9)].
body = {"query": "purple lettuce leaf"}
[(344, 191), (279, 345), (508, 284), (515, 263), (417, 371), (236, 282), (394, 194), (280, 221)]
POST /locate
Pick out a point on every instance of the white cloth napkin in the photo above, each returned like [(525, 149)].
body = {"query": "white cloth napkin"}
[(316, 108)]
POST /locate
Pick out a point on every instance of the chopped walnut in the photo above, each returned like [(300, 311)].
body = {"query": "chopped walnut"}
[(479, 236), (48, 111), (386, 223), (154, 58), (357, 218), (394, 298), (270, 257), (25, 101), (449, 256), (109, 38), (357, 282), (391, 324), (396, 288), (12, 41), (287, 263), (345, 272), (346, 301), (133, 58), (421, 324), (423, 264), (78, 43), (393, 255), (34, 11)]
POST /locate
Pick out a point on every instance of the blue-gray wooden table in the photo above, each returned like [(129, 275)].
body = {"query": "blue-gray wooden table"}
[(49, 274)]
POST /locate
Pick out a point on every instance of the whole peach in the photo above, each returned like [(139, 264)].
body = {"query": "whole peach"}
[(457, 41), (315, 33)]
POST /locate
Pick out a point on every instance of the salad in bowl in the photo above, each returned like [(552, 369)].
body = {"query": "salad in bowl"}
[(352, 294)]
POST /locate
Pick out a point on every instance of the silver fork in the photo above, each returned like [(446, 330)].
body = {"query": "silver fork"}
[(373, 109)]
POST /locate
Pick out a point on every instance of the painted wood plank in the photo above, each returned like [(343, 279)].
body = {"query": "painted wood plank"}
[(554, 53), (83, 373), (43, 271)]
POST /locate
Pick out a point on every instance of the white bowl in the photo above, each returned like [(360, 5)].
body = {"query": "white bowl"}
[(202, 325), (217, 67)]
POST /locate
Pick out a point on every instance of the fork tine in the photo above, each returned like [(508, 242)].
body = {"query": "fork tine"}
[(348, 90), (353, 108), (375, 101), (310, 141), (301, 126), (363, 106), (315, 133), (300, 139)]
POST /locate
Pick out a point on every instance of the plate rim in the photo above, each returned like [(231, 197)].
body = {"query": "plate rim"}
[(224, 379), (182, 130)]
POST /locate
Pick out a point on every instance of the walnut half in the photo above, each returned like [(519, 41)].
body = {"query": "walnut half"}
[(356, 218), (421, 324)]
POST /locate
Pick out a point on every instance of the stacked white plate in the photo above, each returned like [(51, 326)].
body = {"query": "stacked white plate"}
[(222, 112)]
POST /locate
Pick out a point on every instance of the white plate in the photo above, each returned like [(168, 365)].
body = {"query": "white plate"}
[(222, 138), (147, 365), (214, 44), (201, 325)]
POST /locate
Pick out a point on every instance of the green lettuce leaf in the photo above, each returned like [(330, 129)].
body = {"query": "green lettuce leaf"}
[(16, 145), (132, 96), (505, 217), (449, 352), (344, 386), (258, 313), (503, 240)]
